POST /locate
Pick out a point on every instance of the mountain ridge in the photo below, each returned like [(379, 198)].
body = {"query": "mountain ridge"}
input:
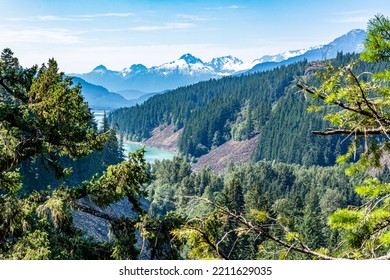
[(351, 42), (189, 69)]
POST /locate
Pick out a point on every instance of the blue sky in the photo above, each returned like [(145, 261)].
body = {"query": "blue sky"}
[(118, 33)]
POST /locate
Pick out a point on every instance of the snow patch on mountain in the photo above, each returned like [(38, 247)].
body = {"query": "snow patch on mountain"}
[(186, 65), (226, 64), (283, 56), (134, 69)]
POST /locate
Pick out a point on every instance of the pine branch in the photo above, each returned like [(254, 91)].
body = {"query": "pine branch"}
[(337, 102), (385, 257), (264, 231), (89, 210), (21, 97), (366, 101), (331, 131)]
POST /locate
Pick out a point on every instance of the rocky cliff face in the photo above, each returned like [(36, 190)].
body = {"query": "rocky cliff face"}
[(99, 228)]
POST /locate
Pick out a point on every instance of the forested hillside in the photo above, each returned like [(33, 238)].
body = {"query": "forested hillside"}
[(211, 112), (300, 198), (239, 108), (283, 206)]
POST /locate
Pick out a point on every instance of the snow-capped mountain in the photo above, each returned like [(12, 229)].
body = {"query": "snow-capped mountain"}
[(189, 69), (186, 70), (352, 42), (134, 70), (226, 65), (283, 56), (187, 64)]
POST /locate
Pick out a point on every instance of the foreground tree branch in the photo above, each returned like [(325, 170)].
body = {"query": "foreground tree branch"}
[(263, 230), (331, 131), (362, 109)]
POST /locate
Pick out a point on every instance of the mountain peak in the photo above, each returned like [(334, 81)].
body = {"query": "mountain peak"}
[(138, 68), (227, 58), (226, 64), (351, 42), (190, 59), (357, 31), (357, 34), (100, 68)]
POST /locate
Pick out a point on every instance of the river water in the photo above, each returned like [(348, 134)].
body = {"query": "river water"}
[(151, 154)]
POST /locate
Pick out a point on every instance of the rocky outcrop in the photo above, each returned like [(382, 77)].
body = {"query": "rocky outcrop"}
[(99, 228)]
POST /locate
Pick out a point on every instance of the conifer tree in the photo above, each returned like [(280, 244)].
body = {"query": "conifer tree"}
[(312, 223), (363, 101), (42, 114), (363, 230)]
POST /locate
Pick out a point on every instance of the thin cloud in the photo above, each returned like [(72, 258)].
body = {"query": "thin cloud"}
[(45, 36), (107, 15), (349, 13), (85, 17), (45, 18), (168, 26), (225, 7), (353, 16), (194, 17)]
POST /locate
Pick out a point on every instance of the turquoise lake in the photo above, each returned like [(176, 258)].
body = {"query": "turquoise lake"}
[(151, 154)]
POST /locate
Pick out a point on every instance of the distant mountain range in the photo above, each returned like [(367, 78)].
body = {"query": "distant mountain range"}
[(184, 71), (283, 56), (352, 42), (100, 98), (123, 88)]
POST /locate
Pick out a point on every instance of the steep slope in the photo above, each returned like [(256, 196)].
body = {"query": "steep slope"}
[(165, 138), (232, 151)]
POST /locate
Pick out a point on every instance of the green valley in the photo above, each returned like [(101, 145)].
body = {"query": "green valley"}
[(291, 163)]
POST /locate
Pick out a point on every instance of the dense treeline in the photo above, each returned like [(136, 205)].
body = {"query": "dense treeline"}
[(239, 108), (302, 197), (36, 174)]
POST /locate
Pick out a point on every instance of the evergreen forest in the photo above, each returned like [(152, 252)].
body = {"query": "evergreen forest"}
[(317, 186)]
